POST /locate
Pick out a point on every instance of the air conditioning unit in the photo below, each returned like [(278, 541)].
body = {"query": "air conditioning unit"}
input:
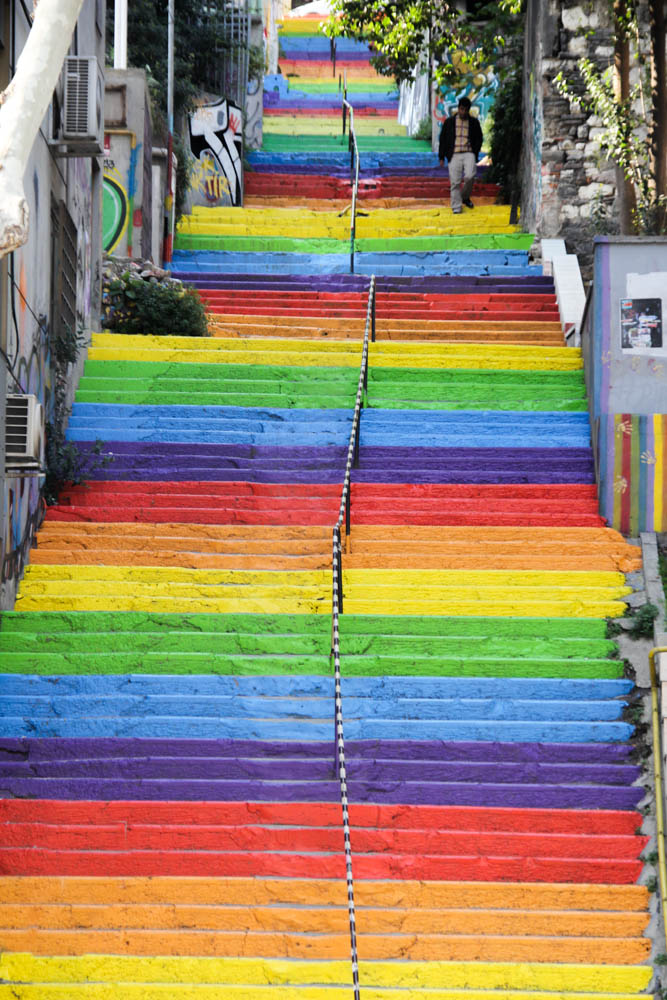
[(83, 104), (24, 433)]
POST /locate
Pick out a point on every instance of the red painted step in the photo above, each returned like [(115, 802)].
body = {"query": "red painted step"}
[(325, 814), (270, 503), (449, 843)]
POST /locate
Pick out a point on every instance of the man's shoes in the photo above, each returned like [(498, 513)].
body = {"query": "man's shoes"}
[(456, 211), (468, 203)]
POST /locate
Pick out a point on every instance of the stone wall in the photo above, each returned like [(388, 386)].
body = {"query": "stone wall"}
[(569, 190)]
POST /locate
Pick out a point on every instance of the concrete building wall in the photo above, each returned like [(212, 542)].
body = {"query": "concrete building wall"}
[(54, 185), (624, 339), (128, 186)]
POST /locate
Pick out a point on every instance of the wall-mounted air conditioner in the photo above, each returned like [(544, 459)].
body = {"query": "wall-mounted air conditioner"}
[(24, 433), (82, 127)]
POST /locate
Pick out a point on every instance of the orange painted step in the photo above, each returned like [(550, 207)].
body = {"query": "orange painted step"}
[(253, 546), (545, 333)]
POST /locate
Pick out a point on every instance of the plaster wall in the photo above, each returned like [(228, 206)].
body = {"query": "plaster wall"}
[(624, 339), (128, 185), (27, 305)]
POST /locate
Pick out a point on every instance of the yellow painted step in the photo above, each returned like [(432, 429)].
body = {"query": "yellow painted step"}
[(288, 351), (452, 592), (330, 125), (377, 223), (395, 977)]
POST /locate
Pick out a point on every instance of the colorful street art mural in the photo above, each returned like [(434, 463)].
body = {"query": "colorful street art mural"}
[(480, 87), (633, 471), (216, 145), (116, 211), (121, 152)]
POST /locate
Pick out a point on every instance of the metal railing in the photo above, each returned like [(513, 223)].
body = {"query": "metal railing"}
[(354, 171), (659, 779), (337, 610)]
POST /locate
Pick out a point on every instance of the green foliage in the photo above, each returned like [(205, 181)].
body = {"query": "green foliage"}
[(66, 464), (256, 65), (200, 39), (135, 306), (507, 134), (642, 622), (425, 129), (402, 31), (624, 137), (66, 344)]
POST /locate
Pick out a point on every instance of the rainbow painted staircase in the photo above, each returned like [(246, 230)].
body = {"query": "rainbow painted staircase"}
[(171, 814)]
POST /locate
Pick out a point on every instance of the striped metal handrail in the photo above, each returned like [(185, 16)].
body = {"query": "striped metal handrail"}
[(336, 611), (659, 782), (354, 171)]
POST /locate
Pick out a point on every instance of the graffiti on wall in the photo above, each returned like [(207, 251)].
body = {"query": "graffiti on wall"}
[(116, 208), (480, 87), (216, 146)]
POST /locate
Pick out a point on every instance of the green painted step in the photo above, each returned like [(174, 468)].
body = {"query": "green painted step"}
[(276, 142), (365, 625), (165, 371), (468, 665), (333, 388), (80, 643), (414, 244), (387, 400), (184, 397)]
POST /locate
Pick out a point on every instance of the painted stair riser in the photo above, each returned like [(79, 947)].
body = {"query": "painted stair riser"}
[(214, 463), (483, 976)]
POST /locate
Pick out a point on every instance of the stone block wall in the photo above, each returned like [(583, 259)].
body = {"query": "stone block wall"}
[(570, 189)]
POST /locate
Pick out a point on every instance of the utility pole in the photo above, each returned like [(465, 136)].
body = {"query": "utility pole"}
[(169, 207), (120, 35)]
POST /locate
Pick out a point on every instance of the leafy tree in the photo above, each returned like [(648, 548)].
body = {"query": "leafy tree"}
[(507, 136), (200, 40), (401, 31)]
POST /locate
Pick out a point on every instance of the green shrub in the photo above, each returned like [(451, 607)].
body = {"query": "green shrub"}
[(135, 306), (425, 130)]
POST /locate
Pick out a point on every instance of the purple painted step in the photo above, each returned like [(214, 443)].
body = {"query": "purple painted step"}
[(528, 775), (288, 789), (446, 284), (34, 749), (227, 463)]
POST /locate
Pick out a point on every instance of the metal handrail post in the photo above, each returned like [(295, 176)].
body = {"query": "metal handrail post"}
[(373, 316)]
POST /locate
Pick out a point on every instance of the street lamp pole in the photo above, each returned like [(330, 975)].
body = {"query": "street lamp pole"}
[(169, 207), (120, 35)]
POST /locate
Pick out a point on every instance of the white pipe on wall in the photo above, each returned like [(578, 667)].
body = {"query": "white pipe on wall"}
[(26, 101), (120, 35)]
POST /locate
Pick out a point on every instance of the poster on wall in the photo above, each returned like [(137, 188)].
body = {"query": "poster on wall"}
[(641, 324), (641, 312)]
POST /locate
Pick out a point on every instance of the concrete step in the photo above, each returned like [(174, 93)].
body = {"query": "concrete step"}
[(201, 838), (334, 388), (248, 979), (495, 263), (367, 591), (78, 923), (415, 546)]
